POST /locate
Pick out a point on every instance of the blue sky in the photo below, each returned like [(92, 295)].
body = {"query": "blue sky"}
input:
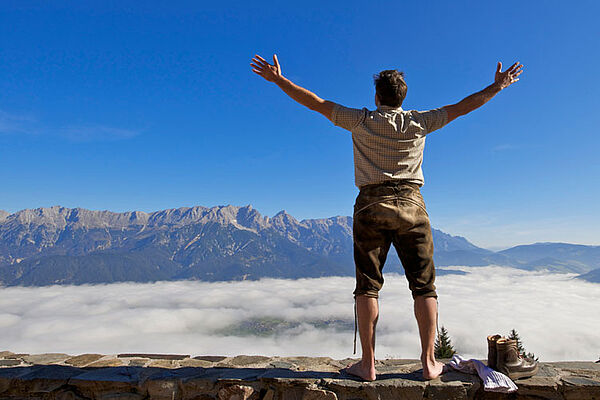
[(153, 105)]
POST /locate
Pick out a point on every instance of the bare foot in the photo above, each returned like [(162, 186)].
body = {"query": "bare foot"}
[(367, 374), (432, 371)]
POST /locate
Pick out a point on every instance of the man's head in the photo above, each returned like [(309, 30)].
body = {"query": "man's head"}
[(390, 88)]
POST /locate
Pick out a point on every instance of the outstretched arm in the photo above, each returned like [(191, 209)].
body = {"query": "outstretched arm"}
[(272, 73), (502, 80)]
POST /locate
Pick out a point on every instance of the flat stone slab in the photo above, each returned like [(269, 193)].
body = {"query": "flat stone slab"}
[(11, 355), (210, 358), (10, 363), (107, 362), (155, 356), (251, 377), (46, 358), (139, 362), (83, 359)]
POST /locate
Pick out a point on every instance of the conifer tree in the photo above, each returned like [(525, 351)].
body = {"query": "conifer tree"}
[(443, 345), (515, 336)]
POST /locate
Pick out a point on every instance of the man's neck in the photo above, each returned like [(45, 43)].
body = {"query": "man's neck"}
[(383, 107)]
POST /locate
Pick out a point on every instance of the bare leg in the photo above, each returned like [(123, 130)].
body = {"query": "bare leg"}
[(426, 313), (367, 310)]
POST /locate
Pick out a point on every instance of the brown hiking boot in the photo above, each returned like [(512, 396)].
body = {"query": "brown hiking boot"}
[(511, 363), (492, 350)]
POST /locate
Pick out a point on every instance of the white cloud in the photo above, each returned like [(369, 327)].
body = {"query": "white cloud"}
[(25, 124), (12, 123), (96, 132), (557, 317)]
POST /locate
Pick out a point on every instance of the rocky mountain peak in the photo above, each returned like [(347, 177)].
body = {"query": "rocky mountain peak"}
[(55, 215), (251, 218), (59, 244), (285, 218), (177, 216)]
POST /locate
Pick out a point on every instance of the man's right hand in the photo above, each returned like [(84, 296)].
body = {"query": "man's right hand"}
[(508, 77)]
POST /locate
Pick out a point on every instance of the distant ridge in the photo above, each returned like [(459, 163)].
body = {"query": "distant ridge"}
[(592, 276), (59, 245)]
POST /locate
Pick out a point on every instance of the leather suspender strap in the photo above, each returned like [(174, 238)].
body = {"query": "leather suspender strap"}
[(355, 325), (437, 313)]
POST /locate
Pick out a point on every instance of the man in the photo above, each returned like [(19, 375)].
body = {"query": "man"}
[(389, 209)]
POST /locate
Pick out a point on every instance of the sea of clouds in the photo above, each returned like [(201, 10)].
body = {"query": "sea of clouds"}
[(556, 316)]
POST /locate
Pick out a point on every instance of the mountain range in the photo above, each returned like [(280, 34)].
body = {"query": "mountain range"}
[(58, 245)]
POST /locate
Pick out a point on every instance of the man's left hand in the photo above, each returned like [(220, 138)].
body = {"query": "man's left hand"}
[(261, 67)]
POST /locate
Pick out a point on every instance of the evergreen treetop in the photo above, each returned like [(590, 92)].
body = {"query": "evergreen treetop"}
[(515, 336), (443, 345)]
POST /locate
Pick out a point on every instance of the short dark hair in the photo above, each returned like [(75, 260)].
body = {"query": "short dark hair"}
[(390, 87)]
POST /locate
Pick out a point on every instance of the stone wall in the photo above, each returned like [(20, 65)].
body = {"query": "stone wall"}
[(174, 376)]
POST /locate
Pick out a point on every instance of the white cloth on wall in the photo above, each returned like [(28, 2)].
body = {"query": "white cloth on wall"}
[(493, 381)]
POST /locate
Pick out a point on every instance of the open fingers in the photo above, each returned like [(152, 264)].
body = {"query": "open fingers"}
[(260, 58), (512, 67), (262, 63), (517, 71)]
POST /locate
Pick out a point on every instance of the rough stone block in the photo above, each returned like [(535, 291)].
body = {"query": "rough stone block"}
[(191, 388), (445, 391), (162, 389), (5, 384), (397, 390), (122, 396), (235, 392), (41, 379), (318, 394), (108, 381), (580, 388), (269, 395), (67, 394), (543, 387)]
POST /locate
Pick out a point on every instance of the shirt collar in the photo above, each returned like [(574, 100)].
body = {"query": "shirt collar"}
[(385, 108)]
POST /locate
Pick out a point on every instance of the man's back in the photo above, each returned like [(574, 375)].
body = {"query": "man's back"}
[(389, 141), (388, 146)]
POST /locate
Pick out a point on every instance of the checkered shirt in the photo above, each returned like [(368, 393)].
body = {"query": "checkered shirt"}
[(388, 142)]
